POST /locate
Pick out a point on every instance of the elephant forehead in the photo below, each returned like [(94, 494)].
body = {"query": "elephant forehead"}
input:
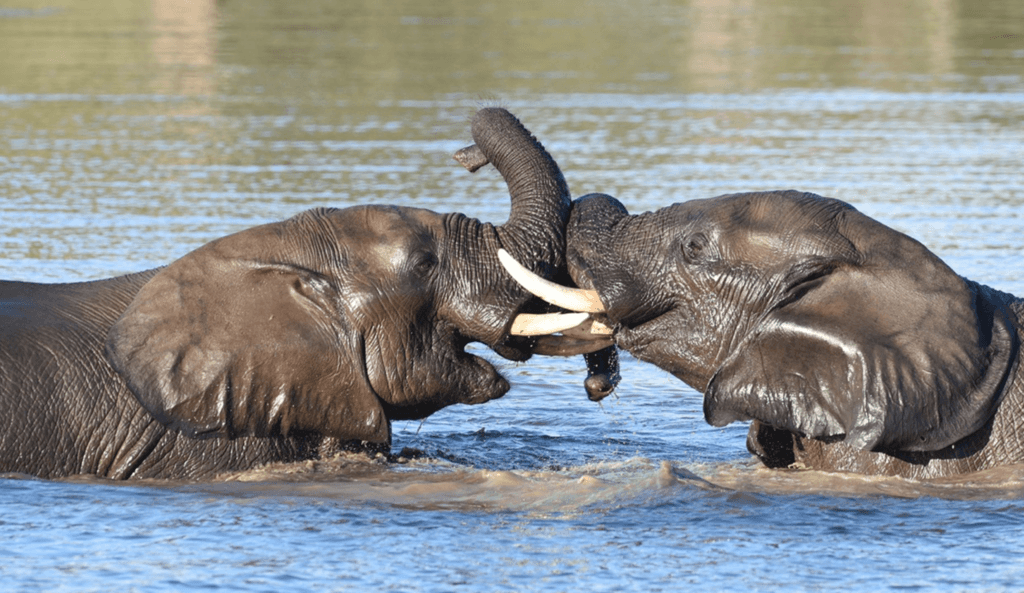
[(383, 236), (768, 246), (774, 225), (776, 209)]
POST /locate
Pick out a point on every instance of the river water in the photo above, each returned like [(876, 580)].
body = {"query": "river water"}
[(132, 132)]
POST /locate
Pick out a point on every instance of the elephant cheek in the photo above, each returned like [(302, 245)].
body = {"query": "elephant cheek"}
[(669, 349)]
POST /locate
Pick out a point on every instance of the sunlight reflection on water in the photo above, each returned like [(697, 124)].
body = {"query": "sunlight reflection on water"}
[(542, 488)]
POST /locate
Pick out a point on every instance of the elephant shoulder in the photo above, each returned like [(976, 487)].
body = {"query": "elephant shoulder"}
[(78, 306)]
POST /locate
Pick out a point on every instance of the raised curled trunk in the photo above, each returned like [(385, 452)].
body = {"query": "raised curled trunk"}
[(535, 236), (534, 233)]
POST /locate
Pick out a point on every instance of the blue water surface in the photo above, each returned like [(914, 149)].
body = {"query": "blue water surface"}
[(134, 132)]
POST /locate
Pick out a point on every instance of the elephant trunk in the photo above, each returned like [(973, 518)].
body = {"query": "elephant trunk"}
[(597, 260), (487, 299), (534, 235), (535, 231)]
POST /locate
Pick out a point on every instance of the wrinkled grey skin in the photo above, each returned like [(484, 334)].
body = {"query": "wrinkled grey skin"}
[(602, 363), (849, 345), (278, 343)]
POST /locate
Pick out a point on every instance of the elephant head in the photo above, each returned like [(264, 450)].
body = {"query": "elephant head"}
[(801, 313), (337, 321)]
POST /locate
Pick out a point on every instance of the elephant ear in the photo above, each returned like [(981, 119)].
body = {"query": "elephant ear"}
[(894, 353), (222, 343)]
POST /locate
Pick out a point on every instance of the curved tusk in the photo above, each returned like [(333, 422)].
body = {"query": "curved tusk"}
[(591, 329), (573, 299), (526, 324)]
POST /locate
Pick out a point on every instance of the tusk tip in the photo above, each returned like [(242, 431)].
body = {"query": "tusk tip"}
[(573, 299)]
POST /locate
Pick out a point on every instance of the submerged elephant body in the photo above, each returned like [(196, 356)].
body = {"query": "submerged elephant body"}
[(281, 342), (53, 346), (848, 345)]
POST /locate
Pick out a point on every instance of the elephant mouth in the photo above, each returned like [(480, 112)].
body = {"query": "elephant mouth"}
[(484, 381), (432, 378)]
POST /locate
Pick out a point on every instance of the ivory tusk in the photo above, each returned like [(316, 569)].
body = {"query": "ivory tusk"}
[(589, 330), (526, 324), (573, 299)]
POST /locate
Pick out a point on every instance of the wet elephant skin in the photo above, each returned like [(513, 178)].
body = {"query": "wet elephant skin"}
[(281, 342), (849, 345)]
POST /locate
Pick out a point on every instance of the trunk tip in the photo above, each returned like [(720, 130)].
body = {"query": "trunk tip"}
[(471, 157)]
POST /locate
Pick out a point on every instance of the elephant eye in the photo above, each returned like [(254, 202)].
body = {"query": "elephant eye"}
[(695, 248), (424, 262)]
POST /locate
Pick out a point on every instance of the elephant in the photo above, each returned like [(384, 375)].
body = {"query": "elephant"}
[(284, 342), (848, 346)]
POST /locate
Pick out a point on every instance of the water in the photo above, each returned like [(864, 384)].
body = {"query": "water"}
[(133, 132)]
